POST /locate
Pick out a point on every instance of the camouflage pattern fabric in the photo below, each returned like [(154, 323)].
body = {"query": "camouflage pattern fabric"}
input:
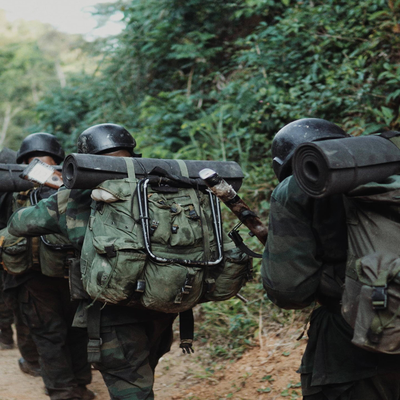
[(45, 307), (9, 295), (304, 261), (66, 212), (130, 354)]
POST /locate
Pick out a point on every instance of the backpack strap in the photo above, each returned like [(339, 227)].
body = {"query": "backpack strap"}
[(93, 329), (130, 167), (196, 203), (183, 168)]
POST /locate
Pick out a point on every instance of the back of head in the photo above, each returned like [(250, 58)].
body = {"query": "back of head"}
[(38, 144), (105, 138), (297, 132)]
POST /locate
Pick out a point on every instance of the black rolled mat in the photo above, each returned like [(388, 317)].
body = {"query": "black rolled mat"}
[(333, 166), (10, 180), (86, 171)]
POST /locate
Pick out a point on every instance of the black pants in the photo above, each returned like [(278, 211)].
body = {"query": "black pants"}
[(379, 387), (47, 310), (26, 345)]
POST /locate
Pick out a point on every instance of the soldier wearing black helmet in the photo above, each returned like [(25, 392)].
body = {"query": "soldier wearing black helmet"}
[(9, 310), (43, 292), (304, 262), (125, 344)]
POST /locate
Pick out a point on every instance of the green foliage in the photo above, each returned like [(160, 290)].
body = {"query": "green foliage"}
[(230, 327), (31, 63)]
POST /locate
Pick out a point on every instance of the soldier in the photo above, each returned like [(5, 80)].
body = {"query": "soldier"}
[(6, 313), (126, 343), (44, 296), (304, 261), (9, 310)]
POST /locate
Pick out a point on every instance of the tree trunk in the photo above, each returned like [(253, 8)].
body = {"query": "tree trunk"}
[(8, 115)]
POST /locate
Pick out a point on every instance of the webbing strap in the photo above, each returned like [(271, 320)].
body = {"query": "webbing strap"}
[(183, 168), (93, 329), (130, 167), (196, 204)]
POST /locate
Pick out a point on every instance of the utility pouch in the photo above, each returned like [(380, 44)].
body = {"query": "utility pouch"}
[(371, 303), (15, 253)]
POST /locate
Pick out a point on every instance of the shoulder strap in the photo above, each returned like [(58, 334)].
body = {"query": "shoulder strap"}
[(130, 166), (93, 329)]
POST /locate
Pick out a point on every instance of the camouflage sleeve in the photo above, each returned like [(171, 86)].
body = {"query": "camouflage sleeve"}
[(37, 220), (290, 270)]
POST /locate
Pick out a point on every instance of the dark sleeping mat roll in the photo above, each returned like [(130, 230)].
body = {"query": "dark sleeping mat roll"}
[(86, 171), (327, 167)]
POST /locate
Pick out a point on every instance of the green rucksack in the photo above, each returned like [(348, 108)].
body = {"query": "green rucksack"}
[(371, 298), (160, 246)]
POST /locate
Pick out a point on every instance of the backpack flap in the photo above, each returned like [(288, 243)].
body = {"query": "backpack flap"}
[(171, 287)]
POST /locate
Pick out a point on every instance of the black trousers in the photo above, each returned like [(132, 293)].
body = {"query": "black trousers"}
[(47, 310)]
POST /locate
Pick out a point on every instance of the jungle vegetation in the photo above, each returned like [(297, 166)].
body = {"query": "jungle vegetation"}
[(206, 79)]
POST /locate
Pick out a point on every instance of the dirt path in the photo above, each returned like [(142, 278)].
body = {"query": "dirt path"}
[(264, 372)]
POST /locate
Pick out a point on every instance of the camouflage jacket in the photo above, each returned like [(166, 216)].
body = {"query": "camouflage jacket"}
[(305, 255), (66, 212)]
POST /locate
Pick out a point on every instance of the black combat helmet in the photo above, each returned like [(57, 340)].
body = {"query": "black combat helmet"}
[(297, 132), (104, 138), (37, 143)]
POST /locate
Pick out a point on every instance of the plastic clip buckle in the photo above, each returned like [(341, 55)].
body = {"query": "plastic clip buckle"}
[(379, 297)]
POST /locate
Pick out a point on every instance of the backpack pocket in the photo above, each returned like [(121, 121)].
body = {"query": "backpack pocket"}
[(227, 278), (171, 288), (53, 257), (174, 221), (114, 271), (15, 253), (371, 303)]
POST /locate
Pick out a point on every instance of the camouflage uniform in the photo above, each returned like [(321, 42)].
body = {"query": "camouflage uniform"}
[(133, 340), (9, 310), (45, 307), (6, 313), (304, 261)]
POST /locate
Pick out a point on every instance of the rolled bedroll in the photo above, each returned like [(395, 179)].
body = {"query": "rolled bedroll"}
[(327, 167), (86, 171), (10, 180)]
